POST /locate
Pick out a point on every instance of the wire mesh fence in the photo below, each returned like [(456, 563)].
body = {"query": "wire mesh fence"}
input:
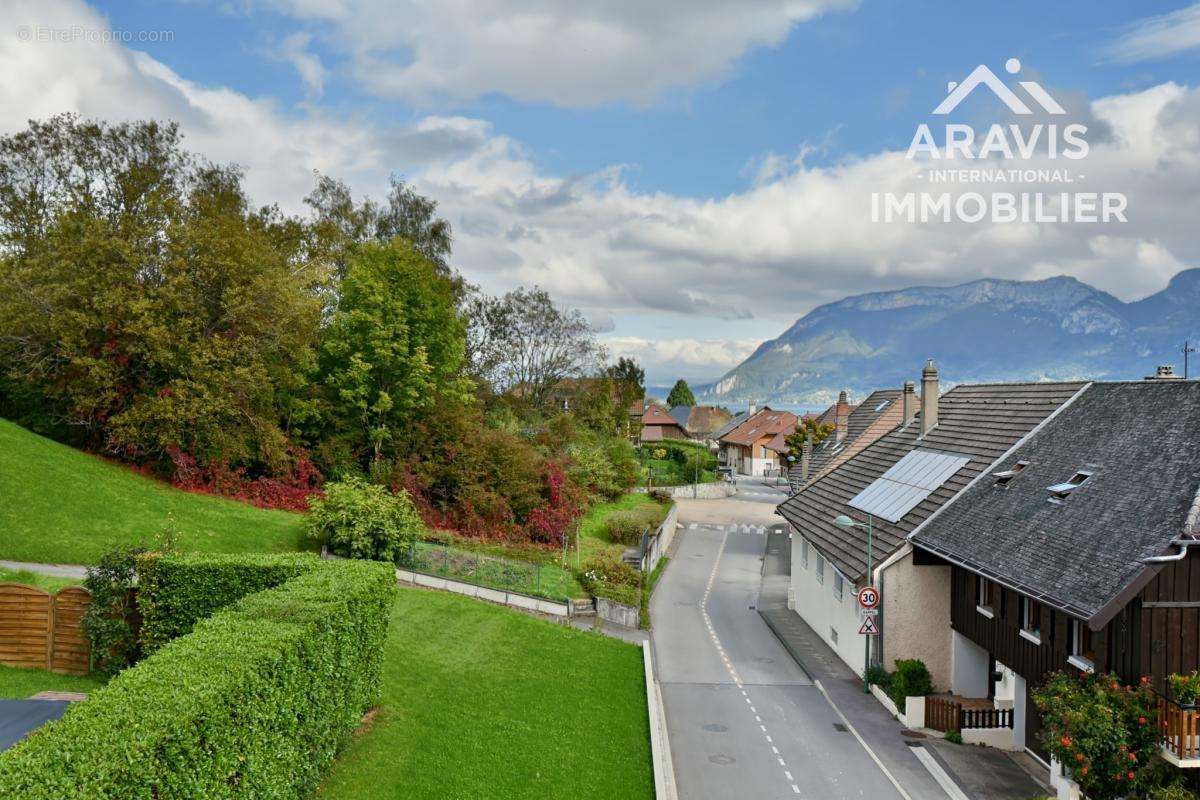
[(493, 572)]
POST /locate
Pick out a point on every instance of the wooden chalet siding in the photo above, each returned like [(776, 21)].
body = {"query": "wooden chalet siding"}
[(1144, 638), (1000, 636), (1167, 636)]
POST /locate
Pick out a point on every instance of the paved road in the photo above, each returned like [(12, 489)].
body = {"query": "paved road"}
[(760, 490), (744, 720)]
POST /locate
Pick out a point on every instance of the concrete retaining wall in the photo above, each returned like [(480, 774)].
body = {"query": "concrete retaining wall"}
[(520, 601), (660, 748), (617, 613), (660, 540), (701, 491)]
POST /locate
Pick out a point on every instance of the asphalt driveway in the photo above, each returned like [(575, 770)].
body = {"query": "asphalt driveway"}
[(19, 717)]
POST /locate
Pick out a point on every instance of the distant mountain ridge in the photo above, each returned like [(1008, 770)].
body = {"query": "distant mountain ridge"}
[(986, 330)]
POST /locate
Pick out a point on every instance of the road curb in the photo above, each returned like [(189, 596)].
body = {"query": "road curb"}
[(660, 748)]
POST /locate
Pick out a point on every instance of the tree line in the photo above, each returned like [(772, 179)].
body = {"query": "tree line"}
[(150, 312)]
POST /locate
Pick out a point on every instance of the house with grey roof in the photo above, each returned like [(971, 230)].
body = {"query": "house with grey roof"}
[(855, 427), (893, 485), (1077, 550)]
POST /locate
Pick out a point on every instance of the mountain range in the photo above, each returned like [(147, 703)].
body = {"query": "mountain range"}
[(986, 330)]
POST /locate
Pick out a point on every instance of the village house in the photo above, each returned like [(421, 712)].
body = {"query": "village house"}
[(893, 485), (700, 422), (743, 445), (658, 424), (1075, 551), (855, 427)]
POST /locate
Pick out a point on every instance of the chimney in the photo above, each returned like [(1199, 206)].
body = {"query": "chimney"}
[(843, 416), (910, 402), (805, 460), (1165, 372), (929, 397), (752, 408)]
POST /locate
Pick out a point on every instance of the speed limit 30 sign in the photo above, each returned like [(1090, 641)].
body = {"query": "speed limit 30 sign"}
[(868, 597)]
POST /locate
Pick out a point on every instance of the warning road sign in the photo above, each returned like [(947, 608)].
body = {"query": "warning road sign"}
[(868, 597), (869, 627)]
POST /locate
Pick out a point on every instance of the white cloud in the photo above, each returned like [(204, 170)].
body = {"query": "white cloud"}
[(294, 49), (668, 359), (279, 149), (1158, 37), (571, 54), (798, 236)]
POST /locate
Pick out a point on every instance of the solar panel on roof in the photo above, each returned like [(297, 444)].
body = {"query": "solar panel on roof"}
[(909, 481)]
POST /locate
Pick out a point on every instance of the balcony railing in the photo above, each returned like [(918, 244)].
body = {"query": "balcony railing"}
[(1179, 732)]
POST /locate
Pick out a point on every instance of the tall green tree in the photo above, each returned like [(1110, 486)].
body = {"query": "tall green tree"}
[(681, 395), (394, 348), (144, 306)]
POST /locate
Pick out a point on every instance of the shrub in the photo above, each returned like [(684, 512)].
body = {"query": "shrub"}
[(661, 495), (357, 519), (1185, 689), (624, 529), (878, 676), (109, 623), (255, 703), (175, 591), (954, 737), (605, 576), (911, 679), (1102, 733)]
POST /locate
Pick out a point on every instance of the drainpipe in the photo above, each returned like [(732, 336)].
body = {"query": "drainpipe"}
[(1182, 544)]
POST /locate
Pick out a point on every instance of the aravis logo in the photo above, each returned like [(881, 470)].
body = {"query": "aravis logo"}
[(1027, 152), (982, 76)]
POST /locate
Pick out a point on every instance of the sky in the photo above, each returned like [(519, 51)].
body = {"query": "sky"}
[(694, 176)]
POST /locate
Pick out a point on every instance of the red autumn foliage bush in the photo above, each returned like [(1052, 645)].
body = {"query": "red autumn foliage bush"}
[(291, 492)]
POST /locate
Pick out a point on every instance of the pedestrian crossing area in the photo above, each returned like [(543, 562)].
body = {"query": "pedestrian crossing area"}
[(733, 528)]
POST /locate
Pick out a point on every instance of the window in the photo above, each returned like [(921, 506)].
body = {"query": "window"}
[(1031, 620), (839, 584), (882, 406), (1082, 656), (985, 596), (1061, 491), (833, 635), (804, 553), (820, 568), (1004, 476)]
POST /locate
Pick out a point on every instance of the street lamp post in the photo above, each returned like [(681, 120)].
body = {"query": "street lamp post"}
[(843, 521)]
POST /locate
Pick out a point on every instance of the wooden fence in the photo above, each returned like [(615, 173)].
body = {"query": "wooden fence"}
[(41, 630), (1179, 729), (944, 714)]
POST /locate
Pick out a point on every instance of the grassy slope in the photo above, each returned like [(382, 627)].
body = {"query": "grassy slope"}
[(61, 505), (47, 583), (481, 701), (18, 683), (593, 535)]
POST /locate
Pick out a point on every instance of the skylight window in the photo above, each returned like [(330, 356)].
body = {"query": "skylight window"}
[(1004, 476), (882, 406), (1061, 491)]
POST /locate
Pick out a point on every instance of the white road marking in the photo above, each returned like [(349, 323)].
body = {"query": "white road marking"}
[(862, 742), (935, 769), (712, 577)]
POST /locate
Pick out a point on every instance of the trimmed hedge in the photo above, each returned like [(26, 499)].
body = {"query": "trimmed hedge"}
[(254, 703), (175, 591)]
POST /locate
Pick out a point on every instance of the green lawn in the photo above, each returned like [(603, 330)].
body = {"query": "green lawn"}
[(46, 583), (593, 535), (64, 506), (483, 702), (18, 683)]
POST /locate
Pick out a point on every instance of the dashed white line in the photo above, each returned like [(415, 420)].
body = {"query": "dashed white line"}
[(712, 632)]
